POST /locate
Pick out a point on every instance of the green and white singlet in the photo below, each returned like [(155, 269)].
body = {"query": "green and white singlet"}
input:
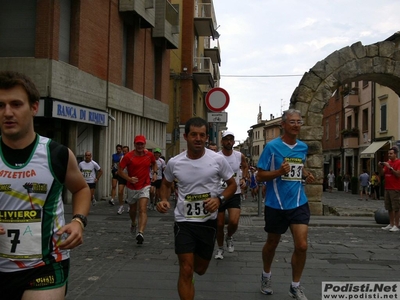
[(31, 211)]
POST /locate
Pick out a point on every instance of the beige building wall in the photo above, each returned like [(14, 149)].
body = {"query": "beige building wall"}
[(387, 108)]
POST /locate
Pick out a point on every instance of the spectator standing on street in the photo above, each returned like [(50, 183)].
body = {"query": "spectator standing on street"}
[(138, 162), (364, 183), (121, 186), (331, 181), (346, 181), (116, 158), (281, 164), (391, 171), (375, 182), (198, 201), (92, 172), (35, 263), (233, 206)]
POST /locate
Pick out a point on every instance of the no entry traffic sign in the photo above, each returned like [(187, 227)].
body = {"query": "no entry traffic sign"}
[(217, 99)]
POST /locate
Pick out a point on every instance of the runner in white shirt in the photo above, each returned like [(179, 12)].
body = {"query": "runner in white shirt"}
[(198, 171), (235, 159), (92, 172)]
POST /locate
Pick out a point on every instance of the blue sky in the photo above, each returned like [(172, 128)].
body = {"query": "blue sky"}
[(267, 38)]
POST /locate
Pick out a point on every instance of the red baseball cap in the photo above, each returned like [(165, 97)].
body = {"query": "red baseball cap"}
[(140, 139)]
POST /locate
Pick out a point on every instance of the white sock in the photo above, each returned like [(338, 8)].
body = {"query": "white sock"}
[(295, 284), (266, 275)]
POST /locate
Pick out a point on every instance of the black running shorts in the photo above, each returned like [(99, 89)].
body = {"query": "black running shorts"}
[(234, 202), (47, 277), (195, 237), (278, 220)]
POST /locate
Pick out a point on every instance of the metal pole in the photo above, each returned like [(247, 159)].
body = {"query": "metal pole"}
[(260, 199), (217, 135)]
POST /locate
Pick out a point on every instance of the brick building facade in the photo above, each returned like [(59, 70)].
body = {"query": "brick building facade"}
[(101, 67)]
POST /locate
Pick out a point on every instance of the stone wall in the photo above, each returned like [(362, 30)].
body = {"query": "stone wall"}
[(378, 62)]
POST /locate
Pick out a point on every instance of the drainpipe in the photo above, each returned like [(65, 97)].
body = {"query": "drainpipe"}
[(144, 77), (373, 116)]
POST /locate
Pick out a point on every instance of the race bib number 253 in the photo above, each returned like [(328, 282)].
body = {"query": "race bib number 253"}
[(296, 169)]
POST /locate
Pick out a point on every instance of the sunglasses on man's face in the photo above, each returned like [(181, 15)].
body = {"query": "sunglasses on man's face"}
[(294, 122)]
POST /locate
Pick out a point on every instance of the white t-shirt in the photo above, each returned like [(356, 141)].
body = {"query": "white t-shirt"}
[(198, 180), (160, 167), (88, 170), (234, 160), (331, 178)]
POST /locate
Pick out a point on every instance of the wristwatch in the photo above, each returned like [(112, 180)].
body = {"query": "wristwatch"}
[(221, 199), (82, 218)]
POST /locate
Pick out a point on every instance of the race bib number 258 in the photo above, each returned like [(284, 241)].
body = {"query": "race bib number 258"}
[(195, 206)]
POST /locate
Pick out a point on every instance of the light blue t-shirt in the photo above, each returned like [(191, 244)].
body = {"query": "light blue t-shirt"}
[(287, 191), (364, 179)]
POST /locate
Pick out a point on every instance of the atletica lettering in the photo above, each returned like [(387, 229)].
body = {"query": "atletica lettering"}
[(17, 174)]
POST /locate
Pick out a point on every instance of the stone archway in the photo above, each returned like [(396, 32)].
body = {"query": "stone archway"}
[(379, 62)]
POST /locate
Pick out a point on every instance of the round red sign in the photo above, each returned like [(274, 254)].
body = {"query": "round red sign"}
[(217, 99)]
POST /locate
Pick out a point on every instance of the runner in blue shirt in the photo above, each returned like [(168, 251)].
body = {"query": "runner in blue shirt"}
[(282, 165)]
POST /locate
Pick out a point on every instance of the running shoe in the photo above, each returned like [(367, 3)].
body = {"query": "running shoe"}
[(139, 238), (297, 293), (111, 202), (394, 229), (387, 227), (219, 254), (266, 285), (120, 210), (229, 244), (94, 202)]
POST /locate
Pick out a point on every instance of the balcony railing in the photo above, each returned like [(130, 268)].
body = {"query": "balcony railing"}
[(350, 101), (167, 23), (205, 21), (350, 97), (203, 70), (350, 142), (212, 49), (217, 74), (145, 9)]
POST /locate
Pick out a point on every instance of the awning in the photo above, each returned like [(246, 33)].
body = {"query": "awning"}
[(371, 149), (151, 145)]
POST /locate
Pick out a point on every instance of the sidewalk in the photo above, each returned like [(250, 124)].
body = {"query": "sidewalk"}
[(110, 265), (340, 209)]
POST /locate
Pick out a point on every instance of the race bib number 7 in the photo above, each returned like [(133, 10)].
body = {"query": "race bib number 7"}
[(296, 169), (23, 238), (195, 206)]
